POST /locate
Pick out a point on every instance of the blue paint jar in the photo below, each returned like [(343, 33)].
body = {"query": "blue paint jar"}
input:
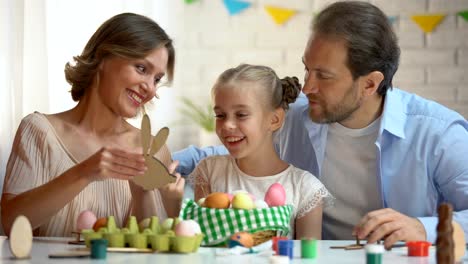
[(285, 248)]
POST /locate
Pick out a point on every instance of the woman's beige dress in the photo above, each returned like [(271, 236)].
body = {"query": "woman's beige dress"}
[(38, 156)]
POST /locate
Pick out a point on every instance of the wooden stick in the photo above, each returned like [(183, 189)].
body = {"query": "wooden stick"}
[(129, 250)]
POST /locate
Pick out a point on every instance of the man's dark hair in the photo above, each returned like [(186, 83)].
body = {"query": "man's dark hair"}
[(370, 40)]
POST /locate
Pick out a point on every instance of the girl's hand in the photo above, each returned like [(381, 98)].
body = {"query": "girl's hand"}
[(175, 190), (173, 193), (112, 163)]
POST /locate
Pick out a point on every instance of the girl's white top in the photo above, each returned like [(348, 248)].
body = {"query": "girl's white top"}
[(221, 174)]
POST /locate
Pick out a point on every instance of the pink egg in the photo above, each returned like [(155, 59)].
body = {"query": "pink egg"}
[(187, 228), (85, 220), (275, 195)]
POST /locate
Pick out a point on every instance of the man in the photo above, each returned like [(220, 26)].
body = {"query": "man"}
[(388, 157)]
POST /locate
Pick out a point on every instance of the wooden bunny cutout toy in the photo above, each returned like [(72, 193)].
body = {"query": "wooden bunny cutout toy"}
[(157, 174)]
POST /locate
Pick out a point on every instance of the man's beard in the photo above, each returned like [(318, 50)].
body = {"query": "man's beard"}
[(342, 110)]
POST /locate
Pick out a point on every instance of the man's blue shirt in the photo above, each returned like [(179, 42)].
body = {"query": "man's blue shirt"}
[(422, 155)]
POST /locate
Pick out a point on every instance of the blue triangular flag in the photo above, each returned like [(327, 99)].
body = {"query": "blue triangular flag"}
[(236, 6), (392, 19)]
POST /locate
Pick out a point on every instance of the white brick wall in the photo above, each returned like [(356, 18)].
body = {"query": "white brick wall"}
[(447, 6), (433, 65), (462, 57), (420, 57), (444, 94), (457, 37), (409, 75), (447, 75), (401, 7), (463, 95), (411, 38)]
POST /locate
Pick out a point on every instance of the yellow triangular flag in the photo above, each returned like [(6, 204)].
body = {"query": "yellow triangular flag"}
[(280, 15), (428, 22)]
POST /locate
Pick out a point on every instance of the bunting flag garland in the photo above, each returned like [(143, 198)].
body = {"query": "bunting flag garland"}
[(392, 19), (280, 15), (236, 6), (464, 14), (428, 22)]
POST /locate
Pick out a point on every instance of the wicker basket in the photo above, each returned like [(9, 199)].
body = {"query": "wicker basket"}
[(219, 225), (263, 236)]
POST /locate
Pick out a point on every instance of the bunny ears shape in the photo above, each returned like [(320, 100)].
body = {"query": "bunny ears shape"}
[(157, 174)]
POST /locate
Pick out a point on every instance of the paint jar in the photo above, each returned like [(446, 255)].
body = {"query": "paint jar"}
[(99, 248), (285, 248), (308, 248), (418, 248), (275, 242), (374, 253)]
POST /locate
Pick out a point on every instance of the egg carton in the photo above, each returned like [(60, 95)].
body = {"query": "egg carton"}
[(154, 242), (152, 238)]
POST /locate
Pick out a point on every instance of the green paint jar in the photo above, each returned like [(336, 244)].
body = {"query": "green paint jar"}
[(374, 253), (308, 248), (99, 248)]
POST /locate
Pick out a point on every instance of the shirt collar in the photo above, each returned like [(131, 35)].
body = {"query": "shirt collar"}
[(394, 115)]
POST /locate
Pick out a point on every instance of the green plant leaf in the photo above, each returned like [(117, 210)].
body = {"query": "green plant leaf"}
[(200, 115)]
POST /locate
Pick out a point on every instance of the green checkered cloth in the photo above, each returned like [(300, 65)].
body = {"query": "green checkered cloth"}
[(219, 225)]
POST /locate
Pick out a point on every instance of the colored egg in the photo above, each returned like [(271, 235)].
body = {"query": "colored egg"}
[(244, 239), (217, 200), (85, 220), (144, 224), (234, 193), (238, 191), (275, 195), (195, 226), (242, 201), (187, 228), (101, 222), (260, 204), (201, 202)]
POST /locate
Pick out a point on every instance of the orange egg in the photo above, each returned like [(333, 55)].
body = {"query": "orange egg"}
[(217, 200), (244, 238), (101, 222)]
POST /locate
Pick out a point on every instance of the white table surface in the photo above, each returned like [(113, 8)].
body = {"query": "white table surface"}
[(42, 247)]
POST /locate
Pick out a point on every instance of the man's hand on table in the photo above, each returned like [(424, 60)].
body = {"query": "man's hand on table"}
[(389, 225)]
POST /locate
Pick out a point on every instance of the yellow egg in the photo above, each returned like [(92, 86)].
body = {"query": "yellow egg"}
[(242, 201)]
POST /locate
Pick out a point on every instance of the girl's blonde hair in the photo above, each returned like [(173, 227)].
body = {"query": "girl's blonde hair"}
[(277, 92)]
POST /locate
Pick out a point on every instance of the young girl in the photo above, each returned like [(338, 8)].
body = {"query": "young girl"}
[(250, 103)]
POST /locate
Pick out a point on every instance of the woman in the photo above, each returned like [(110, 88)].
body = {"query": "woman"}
[(86, 157)]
